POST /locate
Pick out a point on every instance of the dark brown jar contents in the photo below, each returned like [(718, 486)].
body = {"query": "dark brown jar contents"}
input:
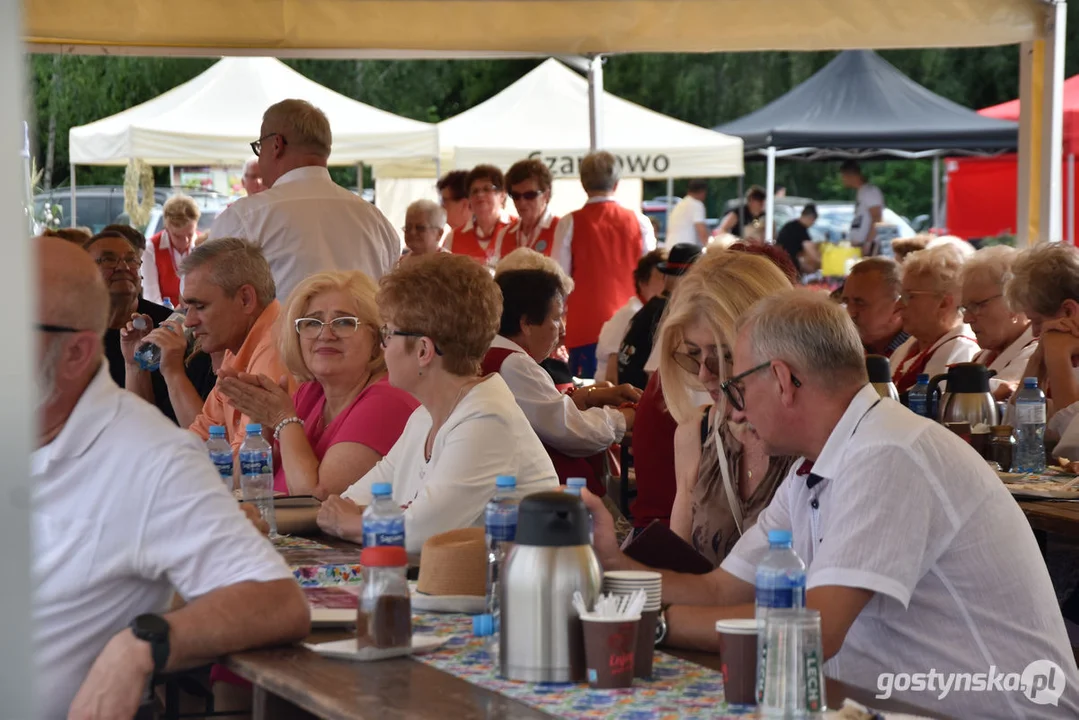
[(387, 625)]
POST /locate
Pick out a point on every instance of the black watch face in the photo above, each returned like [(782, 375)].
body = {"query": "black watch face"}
[(149, 627)]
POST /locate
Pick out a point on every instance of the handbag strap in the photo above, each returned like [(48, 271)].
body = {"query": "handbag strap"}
[(733, 500)]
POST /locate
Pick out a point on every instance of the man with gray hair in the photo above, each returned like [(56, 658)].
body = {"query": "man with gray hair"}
[(231, 311), (424, 222), (252, 177), (598, 246), (126, 509), (304, 222), (918, 559), (871, 296)]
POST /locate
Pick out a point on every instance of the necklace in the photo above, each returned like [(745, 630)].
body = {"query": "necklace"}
[(431, 435)]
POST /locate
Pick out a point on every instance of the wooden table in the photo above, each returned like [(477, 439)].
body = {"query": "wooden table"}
[(1056, 517), (294, 683)]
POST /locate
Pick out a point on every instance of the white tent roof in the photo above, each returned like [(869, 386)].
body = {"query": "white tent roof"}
[(545, 115), (212, 118)]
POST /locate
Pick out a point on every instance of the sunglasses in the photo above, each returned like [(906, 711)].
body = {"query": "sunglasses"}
[(735, 390), (692, 365), (342, 327), (528, 195)]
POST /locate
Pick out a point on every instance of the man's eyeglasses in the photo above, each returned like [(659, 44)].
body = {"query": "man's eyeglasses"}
[(692, 365), (111, 262), (974, 308), (256, 147), (384, 334), (484, 190), (906, 295), (66, 329), (527, 195), (342, 327), (418, 228), (734, 388)]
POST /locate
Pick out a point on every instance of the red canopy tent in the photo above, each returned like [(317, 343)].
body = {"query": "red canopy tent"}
[(982, 192)]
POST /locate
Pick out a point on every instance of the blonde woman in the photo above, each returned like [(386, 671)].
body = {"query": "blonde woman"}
[(345, 416), (166, 250), (929, 305)]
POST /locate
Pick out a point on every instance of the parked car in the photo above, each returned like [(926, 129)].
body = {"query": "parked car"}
[(835, 216), (785, 209), (96, 205)]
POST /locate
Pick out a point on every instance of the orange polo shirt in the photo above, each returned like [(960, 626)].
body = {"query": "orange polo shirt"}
[(258, 355)]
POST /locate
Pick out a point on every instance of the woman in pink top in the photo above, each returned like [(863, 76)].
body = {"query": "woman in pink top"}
[(345, 416)]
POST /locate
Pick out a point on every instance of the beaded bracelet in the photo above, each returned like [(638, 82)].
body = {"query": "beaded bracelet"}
[(281, 426)]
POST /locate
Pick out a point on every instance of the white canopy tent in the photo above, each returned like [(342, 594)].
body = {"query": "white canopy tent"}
[(545, 115)]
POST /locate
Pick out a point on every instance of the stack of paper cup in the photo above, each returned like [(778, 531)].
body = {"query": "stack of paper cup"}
[(624, 582)]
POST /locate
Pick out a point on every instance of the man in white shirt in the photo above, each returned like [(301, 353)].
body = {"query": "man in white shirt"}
[(689, 219), (126, 509), (868, 208), (304, 222), (918, 559), (252, 178)]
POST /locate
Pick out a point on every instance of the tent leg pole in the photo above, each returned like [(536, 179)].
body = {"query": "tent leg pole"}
[(595, 102), (1071, 199), (172, 177), (667, 222), (770, 202), (1050, 201), (936, 192), (359, 178), (73, 195)]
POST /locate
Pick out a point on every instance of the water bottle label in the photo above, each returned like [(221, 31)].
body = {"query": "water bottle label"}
[(813, 674), (385, 534), (255, 463), (1030, 413), (918, 407), (502, 531), (223, 462), (762, 666)]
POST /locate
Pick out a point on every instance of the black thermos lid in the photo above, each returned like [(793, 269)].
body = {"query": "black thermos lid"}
[(880, 370), (552, 519)]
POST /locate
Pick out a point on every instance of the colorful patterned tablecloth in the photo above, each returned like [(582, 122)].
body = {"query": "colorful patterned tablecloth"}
[(317, 565)]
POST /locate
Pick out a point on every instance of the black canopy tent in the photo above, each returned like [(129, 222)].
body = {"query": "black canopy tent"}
[(860, 106)]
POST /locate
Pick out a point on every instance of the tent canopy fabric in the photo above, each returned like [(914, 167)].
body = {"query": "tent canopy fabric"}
[(861, 105), (394, 28), (1010, 111), (212, 118), (545, 115)]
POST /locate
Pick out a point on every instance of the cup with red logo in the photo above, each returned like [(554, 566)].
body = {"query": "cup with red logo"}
[(610, 645)]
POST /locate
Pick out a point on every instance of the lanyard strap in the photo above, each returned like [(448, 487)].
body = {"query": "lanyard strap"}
[(732, 495)]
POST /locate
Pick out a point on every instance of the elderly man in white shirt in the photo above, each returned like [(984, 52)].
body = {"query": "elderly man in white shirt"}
[(918, 559), (127, 509), (304, 222)]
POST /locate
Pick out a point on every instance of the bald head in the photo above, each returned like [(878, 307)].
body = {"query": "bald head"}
[(70, 289)]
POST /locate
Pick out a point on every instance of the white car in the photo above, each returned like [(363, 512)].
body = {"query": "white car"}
[(834, 219)]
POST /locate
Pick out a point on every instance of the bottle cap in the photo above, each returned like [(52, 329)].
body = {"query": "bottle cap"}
[(506, 481), (1030, 383), (382, 489), (923, 378), (384, 556), (254, 429), (483, 625), (779, 537), (217, 431)]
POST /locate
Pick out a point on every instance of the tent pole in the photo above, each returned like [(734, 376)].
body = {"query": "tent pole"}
[(73, 196), (936, 191), (1071, 198), (359, 178), (770, 202), (595, 102), (667, 222), (1050, 200), (172, 176)]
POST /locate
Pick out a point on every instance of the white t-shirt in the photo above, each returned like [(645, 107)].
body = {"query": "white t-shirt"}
[(682, 227), (868, 196), (612, 332), (306, 224), (485, 436), (126, 507), (908, 510)]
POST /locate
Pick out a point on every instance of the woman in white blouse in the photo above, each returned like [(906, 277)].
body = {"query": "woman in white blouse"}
[(573, 426), (929, 305), (1005, 335), (441, 313)]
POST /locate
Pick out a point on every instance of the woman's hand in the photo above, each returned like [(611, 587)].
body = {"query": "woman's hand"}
[(342, 518), (604, 540), (169, 337), (131, 337), (258, 397)]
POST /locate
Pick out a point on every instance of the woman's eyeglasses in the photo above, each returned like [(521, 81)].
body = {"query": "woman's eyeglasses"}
[(692, 364), (385, 333), (484, 190), (342, 327), (527, 195)]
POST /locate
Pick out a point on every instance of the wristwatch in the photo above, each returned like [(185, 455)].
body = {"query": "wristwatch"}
[(153, 629), (661, 625)]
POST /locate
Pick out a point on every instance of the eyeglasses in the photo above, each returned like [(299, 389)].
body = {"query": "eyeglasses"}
[(528, 195), (384, 334), (484, 190), (45, 327), (734, 388), (975, 308), (342, 327), (256, 147), (418, 228), (906, 295), (111, 262), (692, 365)]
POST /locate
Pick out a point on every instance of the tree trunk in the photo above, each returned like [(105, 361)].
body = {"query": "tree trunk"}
[(54, 101)]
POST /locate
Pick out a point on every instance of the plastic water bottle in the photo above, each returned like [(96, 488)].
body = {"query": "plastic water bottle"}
[(167, 303), (781, 585), (574, 486), (220, 453), (256, 474), (383, 519), (501, 524), (918, 397), (148, 355), (1030, 428)]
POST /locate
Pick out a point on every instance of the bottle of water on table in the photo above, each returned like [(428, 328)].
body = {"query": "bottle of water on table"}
[(501, 530), (256, 474), (574, 485), (148, 355), (220, 454), (918, 397), (1029, 428), (780, 585), (383, 519)]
